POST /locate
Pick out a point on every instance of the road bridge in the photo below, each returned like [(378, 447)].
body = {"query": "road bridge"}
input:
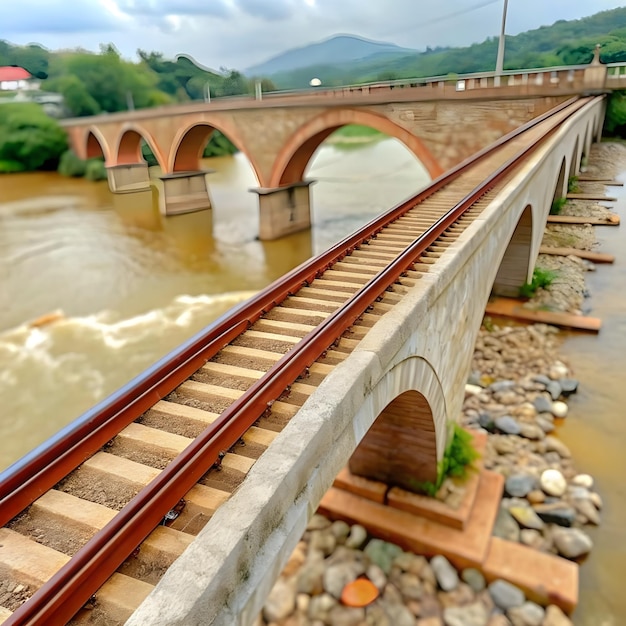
[(441, 121)]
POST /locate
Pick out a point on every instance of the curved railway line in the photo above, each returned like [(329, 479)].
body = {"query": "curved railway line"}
[(93, 518)]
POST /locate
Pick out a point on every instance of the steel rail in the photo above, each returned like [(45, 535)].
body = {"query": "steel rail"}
[(23, 482), (67, 591)]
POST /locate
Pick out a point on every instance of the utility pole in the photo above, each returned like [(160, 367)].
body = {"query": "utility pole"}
[(500, 58)]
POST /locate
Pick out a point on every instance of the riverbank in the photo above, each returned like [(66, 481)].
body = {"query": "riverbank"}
[(518, 393)]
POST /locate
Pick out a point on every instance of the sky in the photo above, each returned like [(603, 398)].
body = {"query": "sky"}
[(237, 34)]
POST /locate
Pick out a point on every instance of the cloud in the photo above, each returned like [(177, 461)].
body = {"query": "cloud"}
[(53, 16), (270, 11), (161, 8)]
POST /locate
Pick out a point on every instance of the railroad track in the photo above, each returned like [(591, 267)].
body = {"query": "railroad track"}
[(95, 516)]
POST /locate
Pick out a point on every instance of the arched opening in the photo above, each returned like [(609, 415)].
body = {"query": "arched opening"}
[(95, 147), (400, 448), (190, 147), (515, 268), (574, 163), (292, 161), (133, 146), (560, 189)]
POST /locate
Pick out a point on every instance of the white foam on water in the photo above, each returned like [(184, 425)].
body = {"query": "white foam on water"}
[(55, 368)]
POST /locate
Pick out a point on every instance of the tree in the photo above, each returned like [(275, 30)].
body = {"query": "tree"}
[(29, 139), (77, 99)]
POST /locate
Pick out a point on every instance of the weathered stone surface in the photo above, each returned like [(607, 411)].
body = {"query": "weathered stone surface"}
[(337, 576), (505, 595), (506, 527), (529, 614), (526, 517), (446, 575), (474, 578), (542, 404), (310, 578), (507, 425), (556, 513), (382, 553), (519, 485)]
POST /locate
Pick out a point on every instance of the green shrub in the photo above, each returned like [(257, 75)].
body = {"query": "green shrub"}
[(557, 206), (71, 165), (457, 461), (9, 167), (572, 185), (541, 280), (95, 170)]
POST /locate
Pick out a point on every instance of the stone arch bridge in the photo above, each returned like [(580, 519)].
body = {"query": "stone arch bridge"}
[(418, 355), (441, 123)]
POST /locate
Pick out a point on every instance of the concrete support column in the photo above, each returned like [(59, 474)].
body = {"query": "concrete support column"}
[(595, 73), (128, 178), (184, 192), (284, 210)]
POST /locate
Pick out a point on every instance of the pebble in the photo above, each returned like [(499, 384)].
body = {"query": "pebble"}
[(542, 404), (382, 553), (559, 409), (281, 600), (505, 527), (446, 575), (532, 431), (469, 615), (507, 425), (505, 595), (357, 537), (554, 389), (519, 485), (556, 445), (337, 576), (556, 617), (474, 578), (558, 370), (568, 386), (553, 482), (586, 507), (529, 614), (526, 517), (583, 480), (556, 513), (572, 542)]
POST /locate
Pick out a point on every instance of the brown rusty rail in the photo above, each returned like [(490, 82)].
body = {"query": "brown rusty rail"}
[(67, 591)]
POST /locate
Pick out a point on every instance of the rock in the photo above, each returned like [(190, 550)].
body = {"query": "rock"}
[(320, 607), (507, 425), (572, 542), (559, 409), (529, 614), (596, 499), (585, 507), (506, 527), (505, 595), (498, 619), (556, 513), (399, 615), (532, 538), (502, 385), (469, 615), (556, 445), (473, 390), (554, 389), (357, 537), (474, 579), (543, 380), (377, 576), (519, 485), (526, 517), (337, 576), (542, 404), (532, 431), (556, 617), (446, 575), (553, 482), (382, 553), (346, 616), (412, 563), (568, 386), (375, 616), (429, 621), (536, 496), (310, 578), (546, 425), (410, 586), (281, 600), (318, 522), (486, 421), (503, 445), (558, 370), (340, 530), (322, 540), (583, 480)]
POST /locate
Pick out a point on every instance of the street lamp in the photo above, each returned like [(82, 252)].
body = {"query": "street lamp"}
[(500, 58)]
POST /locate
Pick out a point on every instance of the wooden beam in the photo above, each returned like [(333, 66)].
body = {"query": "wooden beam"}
[(611, 220), (510, 307), (590, 196), (604, 181), (596, 257)]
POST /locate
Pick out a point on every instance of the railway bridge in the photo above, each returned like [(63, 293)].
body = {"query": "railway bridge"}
[(442, 121), (367, 345)]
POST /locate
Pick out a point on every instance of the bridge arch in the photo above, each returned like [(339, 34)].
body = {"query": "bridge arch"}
[(128, 149), (295, 155), (95, 145), (575, 159), (408, 433), (191, 140)]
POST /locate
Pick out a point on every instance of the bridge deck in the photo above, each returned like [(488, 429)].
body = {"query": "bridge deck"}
[(175, 450)]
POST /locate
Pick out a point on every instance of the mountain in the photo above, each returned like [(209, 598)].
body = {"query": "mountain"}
[(338, 49)]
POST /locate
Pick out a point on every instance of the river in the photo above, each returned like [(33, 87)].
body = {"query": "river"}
[(127, 285)]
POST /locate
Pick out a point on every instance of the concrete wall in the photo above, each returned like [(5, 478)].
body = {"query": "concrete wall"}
[(425, 343)]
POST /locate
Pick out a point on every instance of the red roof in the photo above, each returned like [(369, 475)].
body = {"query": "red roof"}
[(9, 72)]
